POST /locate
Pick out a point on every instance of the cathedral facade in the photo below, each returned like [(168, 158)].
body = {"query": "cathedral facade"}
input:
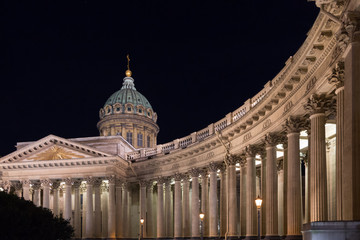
[(295, 144)]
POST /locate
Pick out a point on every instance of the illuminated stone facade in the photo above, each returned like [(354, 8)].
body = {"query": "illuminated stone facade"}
[(296, 144)]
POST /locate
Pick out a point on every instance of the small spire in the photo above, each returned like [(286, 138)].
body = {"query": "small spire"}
[(128, 72)]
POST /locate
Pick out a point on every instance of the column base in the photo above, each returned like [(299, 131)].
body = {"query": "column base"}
[(231, 237), (336, 230), (294, 237), (272, 238)]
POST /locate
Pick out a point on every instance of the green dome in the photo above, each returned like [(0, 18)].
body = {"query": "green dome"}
[(128, 94)]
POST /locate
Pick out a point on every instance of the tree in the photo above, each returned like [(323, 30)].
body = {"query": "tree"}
[(21, 219)]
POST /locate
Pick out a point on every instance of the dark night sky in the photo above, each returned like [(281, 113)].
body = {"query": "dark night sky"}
[(195, 61)]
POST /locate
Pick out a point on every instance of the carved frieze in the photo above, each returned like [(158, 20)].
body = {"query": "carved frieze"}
[(247, 137), (288, 106), (267, 124), (310, 84)]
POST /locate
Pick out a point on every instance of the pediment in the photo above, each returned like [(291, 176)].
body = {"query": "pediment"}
[(52, 148)]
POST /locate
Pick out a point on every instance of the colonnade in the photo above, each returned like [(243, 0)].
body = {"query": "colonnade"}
[(99, 207)]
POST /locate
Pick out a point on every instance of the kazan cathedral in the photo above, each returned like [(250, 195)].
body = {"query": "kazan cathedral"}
[(295, 145)]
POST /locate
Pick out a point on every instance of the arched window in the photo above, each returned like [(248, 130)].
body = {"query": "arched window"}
[(129, 137), (140, 140)]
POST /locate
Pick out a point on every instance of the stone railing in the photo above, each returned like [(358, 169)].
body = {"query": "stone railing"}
[(206, 132)]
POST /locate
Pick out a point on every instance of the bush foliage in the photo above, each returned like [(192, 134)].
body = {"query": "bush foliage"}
[(21, 219)]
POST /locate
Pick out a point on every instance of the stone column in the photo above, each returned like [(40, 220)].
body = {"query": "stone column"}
[(18, 189), (316, 106), (142, 204), (177, 207), (271, 187), (285, 166), (195, 208), (26, 189), (251, 214), (55, 188), (232, 199), (168, 221), (337, 78), (351, 152), (186, 207), (77, 208), (97, 192), (262, 152), (148, 225), (213, 211), (243, 205), (160, 208), (46, 192), (119, 208), (89, 232), (104, 190), (293, 126), (111, 208), (223, 200), (280, 172), (125, 209), (205, 201), (36, 199), (67, 200)]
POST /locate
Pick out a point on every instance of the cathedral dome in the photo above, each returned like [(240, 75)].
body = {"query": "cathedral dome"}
[(128, 113), (128, 101)]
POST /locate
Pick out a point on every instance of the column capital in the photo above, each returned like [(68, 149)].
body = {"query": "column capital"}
[(111, 179), (25, 182), (319, 103), (90, 180), (68, 181), (143, 183), (45, 182), (352, 25), (213, 167), (149, 184), (204, 173), (17, 186), (76, 184), (231, 159), (338, 75), (96, 182), (178, 176), (243, 161), (222, 168), (194, 172), (55, 184), (251, 150), (36, 185), (272, 139), (160, 180), (294, 124)]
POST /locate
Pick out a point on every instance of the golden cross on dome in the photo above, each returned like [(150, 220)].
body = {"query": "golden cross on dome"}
[(128, 72)]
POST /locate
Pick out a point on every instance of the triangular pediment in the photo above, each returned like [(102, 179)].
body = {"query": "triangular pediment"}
[(52, 148)]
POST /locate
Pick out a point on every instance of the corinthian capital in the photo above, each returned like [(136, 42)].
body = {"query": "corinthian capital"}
[(213, 167), (338, 75), (250, 151), (319, 103), (352, 25), (294, 124), (271, 139), (194, 172)]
